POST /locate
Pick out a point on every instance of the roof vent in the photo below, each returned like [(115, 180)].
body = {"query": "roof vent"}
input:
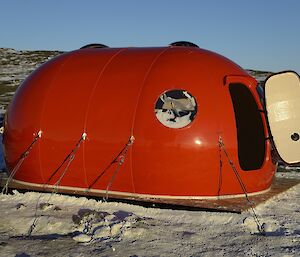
[(183, 43), (94, 46)]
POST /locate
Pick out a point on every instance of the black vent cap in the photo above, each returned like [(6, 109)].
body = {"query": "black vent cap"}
[(94, 46), (183, 43)]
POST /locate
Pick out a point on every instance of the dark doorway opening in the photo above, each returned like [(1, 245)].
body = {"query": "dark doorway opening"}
[(250, 128)]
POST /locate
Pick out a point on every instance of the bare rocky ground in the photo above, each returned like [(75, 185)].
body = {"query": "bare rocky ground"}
[(15, 66)]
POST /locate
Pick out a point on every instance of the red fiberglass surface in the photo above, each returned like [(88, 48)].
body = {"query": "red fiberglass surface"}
[(111, 95)]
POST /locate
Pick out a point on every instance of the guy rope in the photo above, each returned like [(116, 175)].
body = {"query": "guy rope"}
[(20, 161), (120, 163), (255, 217), (69, 158)]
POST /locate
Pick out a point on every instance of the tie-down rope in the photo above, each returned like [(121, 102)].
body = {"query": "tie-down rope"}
[(20, 161), (70, 157), (255, 217)]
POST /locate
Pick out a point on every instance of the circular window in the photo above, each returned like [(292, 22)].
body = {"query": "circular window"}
[(176, 108)]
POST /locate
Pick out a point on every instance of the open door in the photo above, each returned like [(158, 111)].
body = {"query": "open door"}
[(282, 99)]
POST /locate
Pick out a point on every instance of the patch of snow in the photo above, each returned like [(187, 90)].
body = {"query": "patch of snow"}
[(2, 110), (82, 238)]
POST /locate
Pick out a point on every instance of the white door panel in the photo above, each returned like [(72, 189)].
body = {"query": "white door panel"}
[(282, 95)]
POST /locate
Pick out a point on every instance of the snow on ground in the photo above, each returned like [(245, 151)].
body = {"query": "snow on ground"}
[(77, 226)]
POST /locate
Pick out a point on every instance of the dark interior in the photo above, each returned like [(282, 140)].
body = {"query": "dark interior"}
[(250, 128)]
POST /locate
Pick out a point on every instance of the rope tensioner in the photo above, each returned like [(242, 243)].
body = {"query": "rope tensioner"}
[(120, 159), (120, 163), (20, 161)]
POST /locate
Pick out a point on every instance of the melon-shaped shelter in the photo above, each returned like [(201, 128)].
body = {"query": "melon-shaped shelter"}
[(195, 116)]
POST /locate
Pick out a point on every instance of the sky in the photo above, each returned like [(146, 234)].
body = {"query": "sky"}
[(256, 34)]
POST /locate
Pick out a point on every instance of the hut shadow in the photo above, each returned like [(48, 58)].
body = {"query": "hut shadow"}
[(47, 237), (277, 233)]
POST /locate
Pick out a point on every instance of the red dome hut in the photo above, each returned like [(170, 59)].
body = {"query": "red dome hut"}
[(175, 122)]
